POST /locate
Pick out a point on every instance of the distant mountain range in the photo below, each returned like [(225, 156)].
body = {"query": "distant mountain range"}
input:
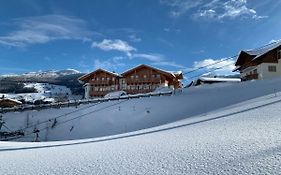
[(44, 74), (68, 78)]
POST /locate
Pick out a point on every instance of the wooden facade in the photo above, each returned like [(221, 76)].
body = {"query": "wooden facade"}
[(100, 83), (141, 79)]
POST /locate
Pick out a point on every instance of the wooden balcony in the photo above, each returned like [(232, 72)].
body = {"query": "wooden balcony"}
[(250, 77), (102, 82), (144, 80)]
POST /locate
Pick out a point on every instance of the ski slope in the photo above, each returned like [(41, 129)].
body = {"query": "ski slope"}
[(243, 138), (45, 92)]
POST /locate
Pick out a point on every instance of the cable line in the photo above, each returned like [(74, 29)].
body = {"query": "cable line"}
[(222, 60)]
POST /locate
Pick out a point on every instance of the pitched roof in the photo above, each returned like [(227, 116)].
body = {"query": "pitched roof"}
[(254, 54), (98, 70), (11, 100), (261, 51), (171, 73)]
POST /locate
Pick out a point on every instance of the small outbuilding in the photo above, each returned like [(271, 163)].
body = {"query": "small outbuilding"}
[(9, 103), (212, 80)]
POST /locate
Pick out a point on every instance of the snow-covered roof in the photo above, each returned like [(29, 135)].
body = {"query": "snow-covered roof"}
[(12, 100), (261, 51), (218, 79), (173, 73), (109, 72), (115, 94)]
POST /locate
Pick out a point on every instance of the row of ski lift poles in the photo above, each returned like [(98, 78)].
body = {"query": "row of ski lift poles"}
[(10, 133)]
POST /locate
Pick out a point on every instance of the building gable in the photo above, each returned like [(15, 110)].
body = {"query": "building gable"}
[(98, 73), (243, 58), (144, 68), (267, 53)]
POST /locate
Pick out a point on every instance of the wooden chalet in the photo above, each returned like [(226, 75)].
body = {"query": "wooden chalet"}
[(140, 79), (99, 83), (144, 79), (262, 63)]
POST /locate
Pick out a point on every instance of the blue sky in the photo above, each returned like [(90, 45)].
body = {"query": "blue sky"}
[(116, 35)]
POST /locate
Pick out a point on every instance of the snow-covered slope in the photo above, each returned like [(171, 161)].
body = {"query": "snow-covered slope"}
[(45, 92), (243, 138), (115, 117)]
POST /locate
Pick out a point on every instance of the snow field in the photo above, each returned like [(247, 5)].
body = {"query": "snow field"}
[(240, 139)]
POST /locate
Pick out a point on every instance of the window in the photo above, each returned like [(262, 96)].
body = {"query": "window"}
[(137, 76), (102, 78), (132, 76), (144, 76), (271, 68), (279, 54), (158, 75), (255, 71)]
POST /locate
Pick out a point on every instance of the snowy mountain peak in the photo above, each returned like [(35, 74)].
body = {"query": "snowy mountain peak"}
[(46, 74)]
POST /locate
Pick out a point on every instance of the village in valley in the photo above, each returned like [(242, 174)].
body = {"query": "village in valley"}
[(140, 87)]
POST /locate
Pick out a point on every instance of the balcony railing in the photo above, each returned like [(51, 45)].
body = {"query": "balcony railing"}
[(102, 82), (144, 80)]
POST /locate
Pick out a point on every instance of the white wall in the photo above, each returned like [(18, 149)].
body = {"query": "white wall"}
[(262, 70), (265, 74), (87, 90)]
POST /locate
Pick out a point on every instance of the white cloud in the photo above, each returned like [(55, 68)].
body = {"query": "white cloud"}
[(118, 45), (42, 29), (213, 9), (134, 38), (169, 63), (223, 66), (180, 7), (149, 57), (110, 64), (157, 60)]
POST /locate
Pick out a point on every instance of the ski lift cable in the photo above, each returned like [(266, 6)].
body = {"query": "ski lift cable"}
[(209, 71), (222, 60), (208, 65), (63, 115), (46, 121), (7, 127), (63, 122)]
